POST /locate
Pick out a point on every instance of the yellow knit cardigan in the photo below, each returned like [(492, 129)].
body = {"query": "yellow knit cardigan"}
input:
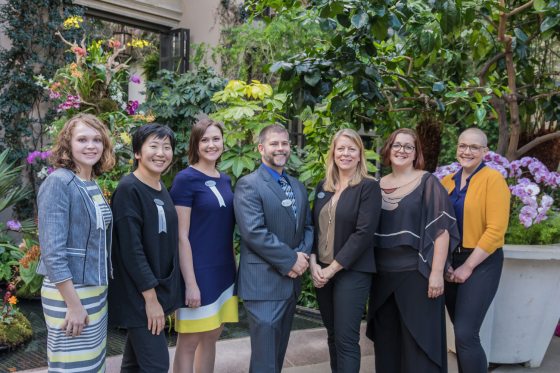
[(486, 210)]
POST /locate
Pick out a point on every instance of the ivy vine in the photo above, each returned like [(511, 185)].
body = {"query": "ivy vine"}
[(33, 49)]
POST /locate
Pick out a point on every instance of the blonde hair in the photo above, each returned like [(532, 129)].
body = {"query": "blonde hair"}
[(61, 156), (332, 177)]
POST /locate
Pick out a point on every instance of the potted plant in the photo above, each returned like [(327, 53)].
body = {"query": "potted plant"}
[(15, 329), (522, 318)]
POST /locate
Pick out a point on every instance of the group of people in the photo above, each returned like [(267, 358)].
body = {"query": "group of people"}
[(409, 243)]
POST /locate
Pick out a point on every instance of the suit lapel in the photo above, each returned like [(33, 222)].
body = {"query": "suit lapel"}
[(278, 191)]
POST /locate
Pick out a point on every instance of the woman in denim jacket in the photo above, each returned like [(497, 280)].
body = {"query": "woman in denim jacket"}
[(75, 233)]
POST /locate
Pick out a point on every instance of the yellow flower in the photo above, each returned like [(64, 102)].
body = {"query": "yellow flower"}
[(72, 22), (150, 118), (12, 300), (125, 138), (138, 43)]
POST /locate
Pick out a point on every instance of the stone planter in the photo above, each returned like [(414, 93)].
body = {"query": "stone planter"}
[(520, 322)]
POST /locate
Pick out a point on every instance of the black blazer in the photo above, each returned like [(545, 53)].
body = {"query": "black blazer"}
[(356, 218)]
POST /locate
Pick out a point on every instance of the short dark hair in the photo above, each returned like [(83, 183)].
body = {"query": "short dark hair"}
[(386, 150), (274, 128), (197, 132), (141, 134)]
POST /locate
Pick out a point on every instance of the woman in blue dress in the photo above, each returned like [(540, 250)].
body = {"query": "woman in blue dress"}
[(204, 202)]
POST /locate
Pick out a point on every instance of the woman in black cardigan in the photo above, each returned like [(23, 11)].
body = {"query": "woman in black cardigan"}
[(346, 214)]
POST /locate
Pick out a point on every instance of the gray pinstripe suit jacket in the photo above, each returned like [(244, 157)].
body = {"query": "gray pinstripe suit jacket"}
[(270, 236)]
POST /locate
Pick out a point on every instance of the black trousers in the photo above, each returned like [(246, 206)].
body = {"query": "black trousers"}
[(342, 303), (145, 352), (467, 305), (407, 327)]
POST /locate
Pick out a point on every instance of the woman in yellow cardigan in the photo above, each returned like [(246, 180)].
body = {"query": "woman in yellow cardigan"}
[(481, 199)]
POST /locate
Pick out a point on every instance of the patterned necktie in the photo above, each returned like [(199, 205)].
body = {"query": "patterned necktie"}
[(289, 193)]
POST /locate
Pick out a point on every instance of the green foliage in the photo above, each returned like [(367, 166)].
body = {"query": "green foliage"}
[(11, 190), (388, 64), (33, 49), (543, 233), (308, 296), (245, 109), (177, 100), (247, 50)]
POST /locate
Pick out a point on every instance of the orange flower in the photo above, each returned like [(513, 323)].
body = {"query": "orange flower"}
[(12, 300), (30, 256)]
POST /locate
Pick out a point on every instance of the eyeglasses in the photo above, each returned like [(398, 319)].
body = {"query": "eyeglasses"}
[(475, 149), (407, 148)]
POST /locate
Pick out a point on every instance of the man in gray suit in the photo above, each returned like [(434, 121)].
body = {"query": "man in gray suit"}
[(273, 216)]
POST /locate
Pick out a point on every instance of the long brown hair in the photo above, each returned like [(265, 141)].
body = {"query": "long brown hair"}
[(332, 177), (61, 156)]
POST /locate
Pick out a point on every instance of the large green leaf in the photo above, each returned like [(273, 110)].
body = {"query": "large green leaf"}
[(450, 16), (360, 20), (550, 22)]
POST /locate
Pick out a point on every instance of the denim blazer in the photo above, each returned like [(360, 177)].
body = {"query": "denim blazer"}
[(72, 245)]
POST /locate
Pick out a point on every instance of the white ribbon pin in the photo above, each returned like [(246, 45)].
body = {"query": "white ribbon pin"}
[(212, 185), (99, 216), (162, 224)]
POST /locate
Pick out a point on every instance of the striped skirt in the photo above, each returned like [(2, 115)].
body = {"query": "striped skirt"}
[(86, 352)]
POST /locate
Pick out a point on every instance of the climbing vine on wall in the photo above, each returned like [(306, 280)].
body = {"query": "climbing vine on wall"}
[(32, 49)]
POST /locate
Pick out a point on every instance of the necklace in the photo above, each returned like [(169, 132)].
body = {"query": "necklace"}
[(393, 189)]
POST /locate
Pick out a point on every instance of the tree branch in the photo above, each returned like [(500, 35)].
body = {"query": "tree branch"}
[(520, 9), (482, 73), (537, 141)]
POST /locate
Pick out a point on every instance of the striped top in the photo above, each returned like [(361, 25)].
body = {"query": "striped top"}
[(101, 206)]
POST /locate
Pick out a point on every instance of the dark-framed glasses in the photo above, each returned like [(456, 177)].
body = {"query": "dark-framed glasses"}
[(474, 148), (407, 148)]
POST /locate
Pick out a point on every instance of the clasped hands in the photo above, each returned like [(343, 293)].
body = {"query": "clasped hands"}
[(458, 275), (300, 266)]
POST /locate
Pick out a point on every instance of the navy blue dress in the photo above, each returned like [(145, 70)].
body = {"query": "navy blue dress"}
[(211, 238)]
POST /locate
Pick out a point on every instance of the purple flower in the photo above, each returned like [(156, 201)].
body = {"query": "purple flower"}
[(45, 155), (498, 167), (13, 225), (53, 95), (71, 102), (50, 170), (131, 107), (31, 156), (135, 79), (443, 171)]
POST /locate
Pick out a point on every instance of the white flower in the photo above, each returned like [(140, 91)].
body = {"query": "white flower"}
[(532, 189), (43, 173)]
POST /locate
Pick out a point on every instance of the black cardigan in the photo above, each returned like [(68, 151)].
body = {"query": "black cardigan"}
[(356, 220), (143, 257)]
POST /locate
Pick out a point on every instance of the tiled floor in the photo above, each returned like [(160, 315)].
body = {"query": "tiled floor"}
[(307, 353)]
